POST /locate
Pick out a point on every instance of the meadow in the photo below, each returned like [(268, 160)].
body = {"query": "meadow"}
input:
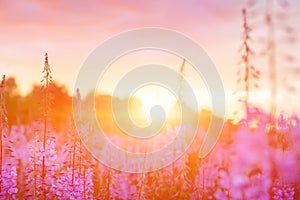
[(42, 155)]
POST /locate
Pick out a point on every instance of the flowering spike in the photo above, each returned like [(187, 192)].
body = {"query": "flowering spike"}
[(248, 73)]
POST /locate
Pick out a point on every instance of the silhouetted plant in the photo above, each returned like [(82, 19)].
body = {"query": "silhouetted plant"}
[(3, 124), (248, 75)]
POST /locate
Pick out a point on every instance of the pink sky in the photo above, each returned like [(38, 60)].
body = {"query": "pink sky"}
[(70, 30)]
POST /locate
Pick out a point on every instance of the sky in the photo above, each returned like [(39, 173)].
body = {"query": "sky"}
[(70, 30)]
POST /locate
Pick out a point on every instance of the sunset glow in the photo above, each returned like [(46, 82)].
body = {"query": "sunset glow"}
[(149, 100)]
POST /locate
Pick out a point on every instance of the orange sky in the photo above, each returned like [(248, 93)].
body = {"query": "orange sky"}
[(70, 30)]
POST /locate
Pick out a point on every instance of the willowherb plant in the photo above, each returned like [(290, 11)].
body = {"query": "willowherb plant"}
[(248, 75), (277, 35), (18, 157), (124, 185), (8, 173), (46, 103), (34, 172), (42, 168), (74, 185), (76, 180), (3, 122), (285, 184), (9, 182), (251, 150)]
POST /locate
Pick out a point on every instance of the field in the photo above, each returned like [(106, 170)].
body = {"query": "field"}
[(56, 143)]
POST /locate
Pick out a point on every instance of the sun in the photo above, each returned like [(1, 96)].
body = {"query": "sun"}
[(153, 95)]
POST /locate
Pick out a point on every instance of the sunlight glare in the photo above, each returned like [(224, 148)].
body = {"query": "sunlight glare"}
[(152, 95)]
